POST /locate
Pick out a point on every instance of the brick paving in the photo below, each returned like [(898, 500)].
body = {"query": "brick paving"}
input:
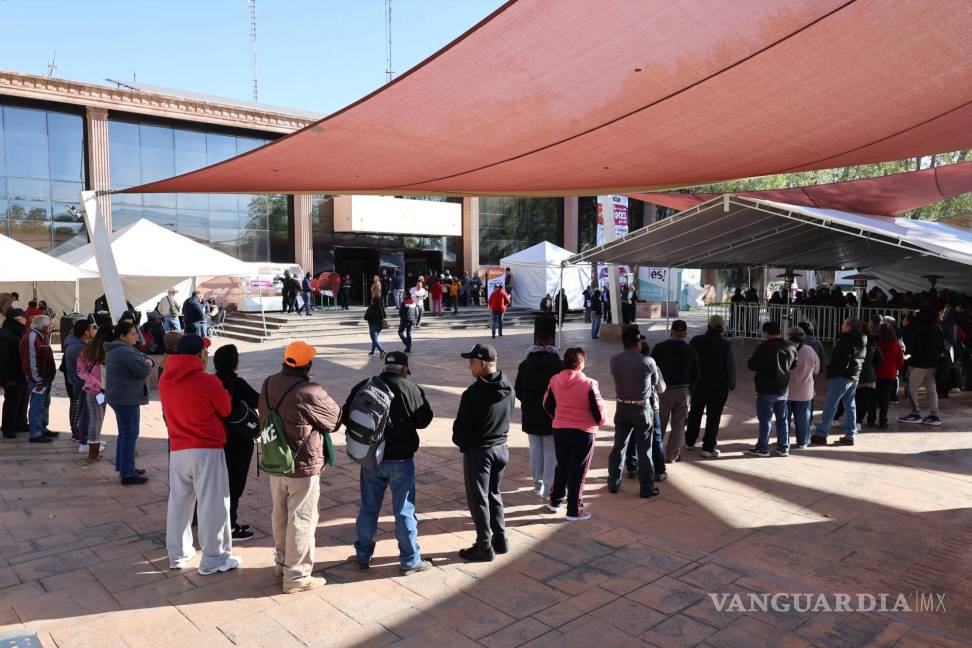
[(82, 559)]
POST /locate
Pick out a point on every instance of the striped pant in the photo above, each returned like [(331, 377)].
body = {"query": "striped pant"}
[(95, 415)]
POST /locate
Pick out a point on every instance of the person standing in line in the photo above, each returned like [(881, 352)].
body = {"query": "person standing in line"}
[(238, 450), (12, 376), (375, 316), (398, 288), (81, 333), (479, 431), (800, 388), (533, 376), (89, 367), (498, 302), (194, 314), (454, 295), (772, 361), (385, 286), (285, 295), (126, 369), (865, 398), (306, 291), (464, 289), (408, 413), (887, 373), (308, 413), (574, 403), (635, 378), (170, 310), (843, 373), (717, 377), (679, 364), (194, 404), (596, 310), (37, 360), (418, 294), (408, 314), (508, 282), (588, 298), (435, 296), (925, 342)]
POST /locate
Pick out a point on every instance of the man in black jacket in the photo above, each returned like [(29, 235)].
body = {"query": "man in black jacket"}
[(15, 396), (925, 342), (194, 315), (408, 413), (718, 378), (480, 430), (679, 364), (532, 377), (843, 373), (772, 360)]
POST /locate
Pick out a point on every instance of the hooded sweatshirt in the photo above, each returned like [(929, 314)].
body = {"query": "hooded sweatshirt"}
[(574, 402), (194, 404), (532, 378), (125, 374), (72, 349), (485, 409)]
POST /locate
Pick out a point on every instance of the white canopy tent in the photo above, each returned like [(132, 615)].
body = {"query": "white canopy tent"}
[(536, 272), (22, 267), (737, 231), (151, 259)]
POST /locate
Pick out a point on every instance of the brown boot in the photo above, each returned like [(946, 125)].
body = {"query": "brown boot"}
[(94, 451)]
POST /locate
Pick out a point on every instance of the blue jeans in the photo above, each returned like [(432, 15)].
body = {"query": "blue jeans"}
[(307, 302), (496, 321), (39, 408), (657, 448), (802, 415), (374, 332), (839, 389), (400, 476), (595, 324), (768, 407), (127, 417), (405, 332), (171, 324), (198, 328)]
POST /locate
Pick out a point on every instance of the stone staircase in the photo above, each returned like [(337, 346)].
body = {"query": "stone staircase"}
[(336, 323)]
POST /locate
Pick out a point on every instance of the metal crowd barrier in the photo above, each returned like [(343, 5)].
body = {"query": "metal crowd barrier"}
[(745, 319)]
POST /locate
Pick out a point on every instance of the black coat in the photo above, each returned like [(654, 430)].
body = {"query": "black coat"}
[(485, 409), (679, 363), (193, 311), (11, 370), (717, 362), (532, 378), (410, 412), (375, 314), (848, 357), (772, 361)]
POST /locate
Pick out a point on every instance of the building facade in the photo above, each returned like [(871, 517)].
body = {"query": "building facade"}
[(58, 137)]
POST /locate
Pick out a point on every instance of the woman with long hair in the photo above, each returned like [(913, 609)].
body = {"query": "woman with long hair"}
[(126, 369), (574, 403), (90, 363), (887, 371)]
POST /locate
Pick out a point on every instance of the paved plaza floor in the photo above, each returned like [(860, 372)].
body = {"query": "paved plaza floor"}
[(83, 563)]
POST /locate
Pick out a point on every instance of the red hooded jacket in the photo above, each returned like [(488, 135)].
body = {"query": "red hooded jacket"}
[(194, 404)]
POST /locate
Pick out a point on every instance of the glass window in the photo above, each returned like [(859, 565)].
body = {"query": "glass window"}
[(255, 246), (168, 218), (73, 234), (60, 213), (225, 219), (157, 152), (66, 137), (23, 210), (508, 225), (28, 189), (166, 200), (68, 192), (219, 147), (223, 202), (34, 234), (124, 155), (244, 144), (190, 150), (25, 140), (193, 218)]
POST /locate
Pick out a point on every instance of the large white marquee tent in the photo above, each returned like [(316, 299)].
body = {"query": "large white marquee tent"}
[(536, 272)]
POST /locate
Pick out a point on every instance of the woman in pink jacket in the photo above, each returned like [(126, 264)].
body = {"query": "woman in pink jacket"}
[(574, 403), (90, 363)]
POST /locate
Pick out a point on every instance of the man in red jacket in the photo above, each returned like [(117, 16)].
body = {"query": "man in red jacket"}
[(498, 302), (194, 404)]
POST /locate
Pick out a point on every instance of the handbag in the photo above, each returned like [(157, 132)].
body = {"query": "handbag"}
[(385, 324)]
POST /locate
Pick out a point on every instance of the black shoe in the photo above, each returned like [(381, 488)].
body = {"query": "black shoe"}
[(613, 488), (499, 545), (818, 440), (362, 565), (134, 480), (371, 353), (139, 472), (408, 349), (476, 553), (242, 535), (844, 441), (9, 434), (660, 477), (654, 492), (40, 439), (51, 435), (423, 566)]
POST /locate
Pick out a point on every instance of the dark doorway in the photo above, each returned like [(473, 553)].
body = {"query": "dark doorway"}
[(361, 264), (421, 263)]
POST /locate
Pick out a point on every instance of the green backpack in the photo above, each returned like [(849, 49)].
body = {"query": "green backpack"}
[(276, 455)]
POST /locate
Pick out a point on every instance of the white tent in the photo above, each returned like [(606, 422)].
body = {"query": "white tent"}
[(151, 259), (536, 272), (22, 266)]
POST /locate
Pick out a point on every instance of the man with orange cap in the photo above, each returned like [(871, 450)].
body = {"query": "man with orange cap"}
[(308, 414)]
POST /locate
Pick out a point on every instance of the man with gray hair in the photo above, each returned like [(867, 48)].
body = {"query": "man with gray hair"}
[(37, 360)]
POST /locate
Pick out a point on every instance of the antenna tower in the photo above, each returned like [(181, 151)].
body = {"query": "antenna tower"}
[(253, 49), (389, 72)]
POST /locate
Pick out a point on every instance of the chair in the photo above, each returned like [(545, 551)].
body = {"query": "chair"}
[(216, 324)]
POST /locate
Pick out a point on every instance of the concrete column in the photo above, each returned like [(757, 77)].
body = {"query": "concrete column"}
[(99, 171), (570, 223), (303, 233), (651, 214), (470, 234)]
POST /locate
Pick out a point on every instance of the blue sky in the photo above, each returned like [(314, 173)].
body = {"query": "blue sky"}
[(316, 55)]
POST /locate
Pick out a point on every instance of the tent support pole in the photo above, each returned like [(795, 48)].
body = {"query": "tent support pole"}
[(77, 295), (263, 314), (107, 268), (560, 315), (668, 300)]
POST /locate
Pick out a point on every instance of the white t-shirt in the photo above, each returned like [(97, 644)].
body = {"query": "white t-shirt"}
[(418, 294)]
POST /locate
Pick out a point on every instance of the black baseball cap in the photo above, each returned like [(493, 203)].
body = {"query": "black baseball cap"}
[(398, 358), (484, 352), (679, 326), (630, 335)]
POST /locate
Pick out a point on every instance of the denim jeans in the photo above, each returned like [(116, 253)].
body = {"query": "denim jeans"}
[(127, 417), (374, 332), (632, 426), (839, 389), (400, 476), (768, 407), (802, 416), (405, 332), (38, 408), (171, 324), (307, 302), (595, 324), (496, 321), (658, 446), (397, 295)]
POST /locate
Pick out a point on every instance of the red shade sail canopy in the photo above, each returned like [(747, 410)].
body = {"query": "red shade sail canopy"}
[(888, 195), (580, 97)]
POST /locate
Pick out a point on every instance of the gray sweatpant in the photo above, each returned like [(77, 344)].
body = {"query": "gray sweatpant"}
[(198, 475), (918, 377), (543, 462), (674, 406)]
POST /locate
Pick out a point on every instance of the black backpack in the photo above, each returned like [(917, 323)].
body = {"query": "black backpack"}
[(243, 420)]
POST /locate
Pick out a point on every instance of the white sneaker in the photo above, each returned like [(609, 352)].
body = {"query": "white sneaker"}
[(82, 448), (231, 562), (712, 454), (579, 518), (553, 509)]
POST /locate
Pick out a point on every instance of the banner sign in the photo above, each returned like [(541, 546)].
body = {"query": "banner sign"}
[(616, 209), (653, 284)]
